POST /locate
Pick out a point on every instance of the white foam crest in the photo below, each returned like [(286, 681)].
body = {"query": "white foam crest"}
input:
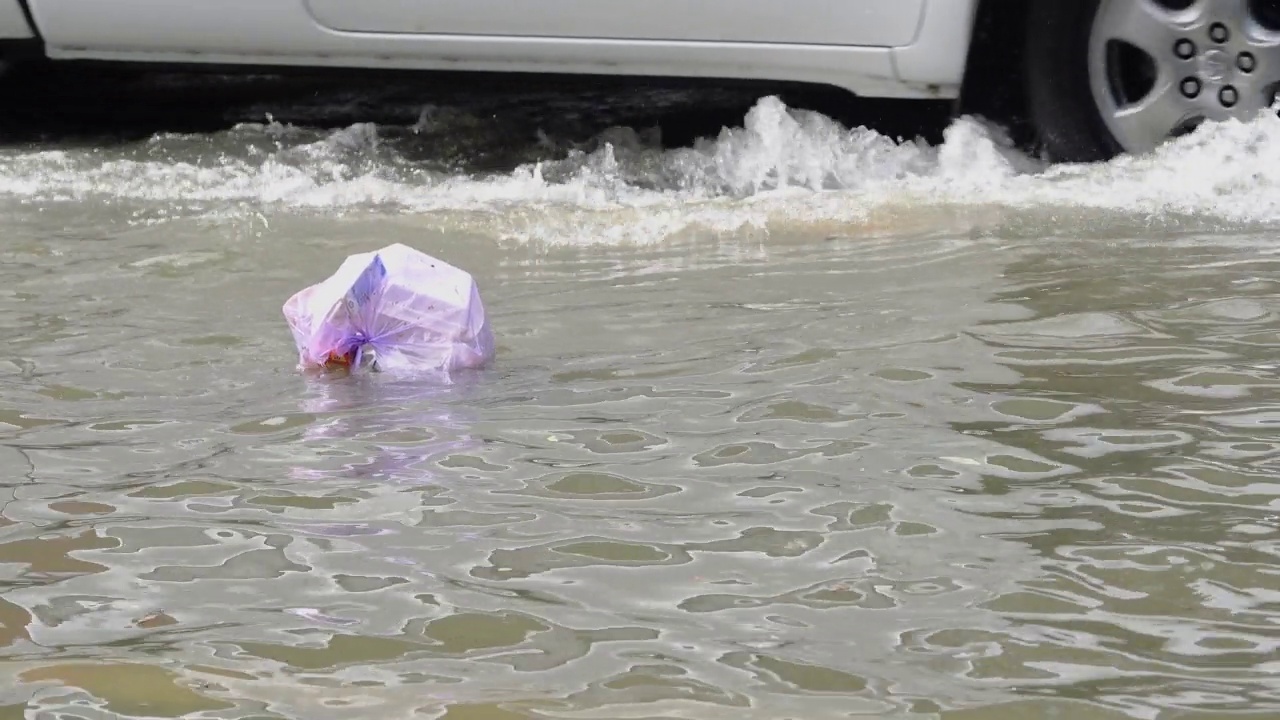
[(781, 166)]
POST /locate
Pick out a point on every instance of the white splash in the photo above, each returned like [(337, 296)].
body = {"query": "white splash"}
[(782, 166)]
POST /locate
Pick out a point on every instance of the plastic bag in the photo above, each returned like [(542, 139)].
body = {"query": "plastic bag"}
[(392, 310)]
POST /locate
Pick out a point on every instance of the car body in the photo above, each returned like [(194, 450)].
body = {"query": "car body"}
[(13, 23), (883, 48), (909, 49)]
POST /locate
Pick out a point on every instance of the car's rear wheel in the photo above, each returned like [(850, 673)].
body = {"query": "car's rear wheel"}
[(1112, 76)]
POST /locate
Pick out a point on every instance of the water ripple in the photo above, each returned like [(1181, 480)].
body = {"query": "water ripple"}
[(699, 482)]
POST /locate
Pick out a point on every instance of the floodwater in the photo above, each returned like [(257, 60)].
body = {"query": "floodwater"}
[(796, 421)]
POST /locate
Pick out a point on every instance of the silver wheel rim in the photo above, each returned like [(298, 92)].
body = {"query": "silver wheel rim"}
[(1157, 68)]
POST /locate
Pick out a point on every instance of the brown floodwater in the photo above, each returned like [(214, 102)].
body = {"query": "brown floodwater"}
[(796, 422)]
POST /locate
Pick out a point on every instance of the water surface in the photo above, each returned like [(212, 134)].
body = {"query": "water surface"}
[(800, 421)]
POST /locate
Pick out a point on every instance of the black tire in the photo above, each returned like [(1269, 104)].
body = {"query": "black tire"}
[(1060, 104)]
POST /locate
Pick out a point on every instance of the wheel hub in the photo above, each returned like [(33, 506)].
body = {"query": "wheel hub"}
[(1159, 67), (1215, 66)]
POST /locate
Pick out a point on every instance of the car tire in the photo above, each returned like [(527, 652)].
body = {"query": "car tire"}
[(1061, 106), (1111, 76)]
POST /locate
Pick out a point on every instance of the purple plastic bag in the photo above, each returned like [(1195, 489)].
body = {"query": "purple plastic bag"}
[(393, 310)]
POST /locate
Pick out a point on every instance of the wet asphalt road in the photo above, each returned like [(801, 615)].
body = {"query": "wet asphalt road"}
[(104, 104)]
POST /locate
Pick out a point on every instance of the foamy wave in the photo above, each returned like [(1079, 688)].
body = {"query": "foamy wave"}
[(781, 166)]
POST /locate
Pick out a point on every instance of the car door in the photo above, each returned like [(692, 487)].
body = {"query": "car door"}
[(845, 43), (13, 24), (831, 22)]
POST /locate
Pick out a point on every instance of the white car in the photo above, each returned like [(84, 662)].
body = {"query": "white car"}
[(1092, 77)]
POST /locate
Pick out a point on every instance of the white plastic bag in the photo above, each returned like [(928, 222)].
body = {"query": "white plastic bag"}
[(392, 310)]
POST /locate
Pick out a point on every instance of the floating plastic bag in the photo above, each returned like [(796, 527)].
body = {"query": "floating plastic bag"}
[(394, 310)]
